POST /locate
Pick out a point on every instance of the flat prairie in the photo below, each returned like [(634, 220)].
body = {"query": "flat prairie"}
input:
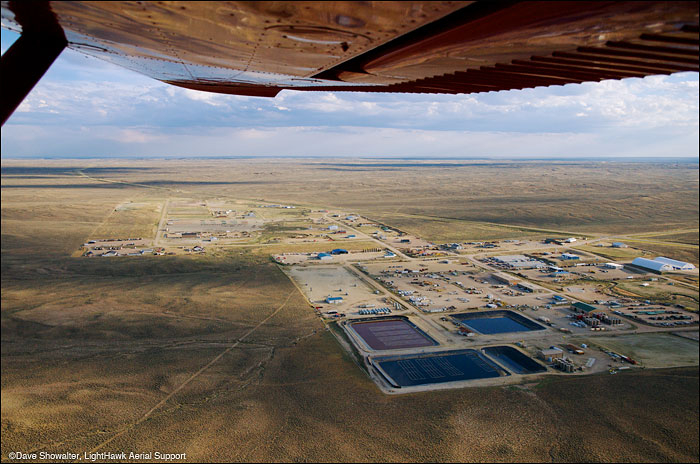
[(220, 357)]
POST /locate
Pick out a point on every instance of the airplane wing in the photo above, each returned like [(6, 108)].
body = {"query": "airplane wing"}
[(259, 48)]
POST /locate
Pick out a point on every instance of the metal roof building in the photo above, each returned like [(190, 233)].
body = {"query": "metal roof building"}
[(569, 256), (504, 278), (652, 264), (519, 261), (584, 307), (677, 265), (614, 266)]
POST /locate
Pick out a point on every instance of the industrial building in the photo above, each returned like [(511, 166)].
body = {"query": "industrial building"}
[(334, 299), (339, 251), (504, 279), (619, 245), (569, 256), (526, 287), (583, 307), (550, 354), (560, 274), (652, 265), (519, 262), (324, 256), (613, 266), (676, 265)]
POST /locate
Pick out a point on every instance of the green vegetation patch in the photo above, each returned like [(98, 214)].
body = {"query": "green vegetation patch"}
[(689, 237), (652, 349), (451, 230), (613, 253), (661, 292), (677, 251)]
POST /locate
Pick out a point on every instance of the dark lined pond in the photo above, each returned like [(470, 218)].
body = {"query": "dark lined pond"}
[(514, 360), (446, 366), (495, 322)]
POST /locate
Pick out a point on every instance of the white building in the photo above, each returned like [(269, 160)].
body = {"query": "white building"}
[(570, 240), (613, 266), (652, 265), (677, 265), (519, 262)]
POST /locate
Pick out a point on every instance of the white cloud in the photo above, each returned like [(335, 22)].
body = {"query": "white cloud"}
[(212, 99), (338, 141), (126, 113)]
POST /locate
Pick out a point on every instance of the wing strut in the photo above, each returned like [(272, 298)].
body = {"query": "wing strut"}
[(31, 55)]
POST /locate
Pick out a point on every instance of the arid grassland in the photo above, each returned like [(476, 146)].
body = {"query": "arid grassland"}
[(220, 357), (573, 195)]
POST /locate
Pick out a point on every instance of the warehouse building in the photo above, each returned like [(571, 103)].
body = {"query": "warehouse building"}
[(652, 265), (324, 256), (583, 307), (526, 287), (619, 245), (519, 262), (676, 265), (504, 279), (613, 266), (550, 354), (569, 256)]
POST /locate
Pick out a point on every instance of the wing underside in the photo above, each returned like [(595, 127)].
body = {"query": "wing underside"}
[(261, 48)]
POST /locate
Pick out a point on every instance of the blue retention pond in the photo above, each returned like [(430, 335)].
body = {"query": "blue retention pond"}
[(440, 367), (496, 322)]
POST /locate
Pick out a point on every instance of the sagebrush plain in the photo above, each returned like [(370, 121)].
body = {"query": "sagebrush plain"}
[(220, 357)]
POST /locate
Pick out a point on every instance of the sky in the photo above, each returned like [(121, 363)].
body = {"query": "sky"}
[(85, 107)]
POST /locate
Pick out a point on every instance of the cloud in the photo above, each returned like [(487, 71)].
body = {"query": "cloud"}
[(654, 116), (325, 141)]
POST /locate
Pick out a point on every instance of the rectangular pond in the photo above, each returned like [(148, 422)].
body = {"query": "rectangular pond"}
[(496, 322), (391, 333), (430, 368), (514, 360)]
